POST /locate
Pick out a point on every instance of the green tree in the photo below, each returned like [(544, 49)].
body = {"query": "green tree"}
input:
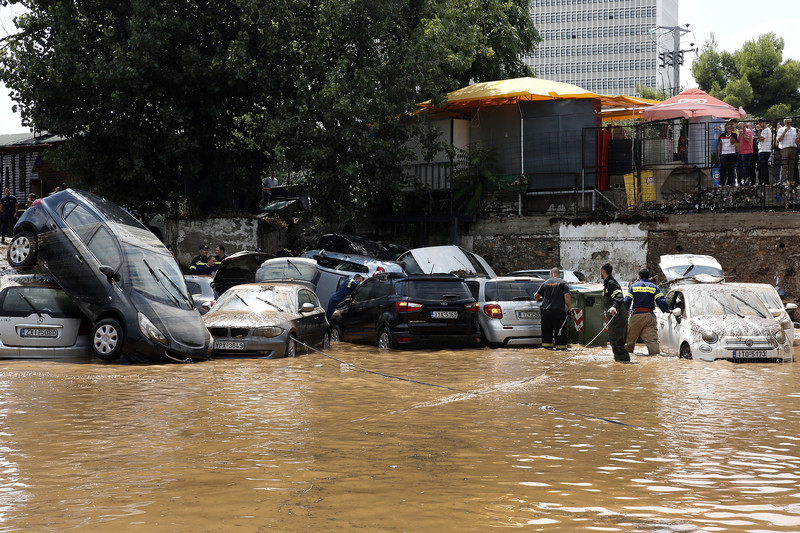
[(159, 100), (755, 77), (652, 94)]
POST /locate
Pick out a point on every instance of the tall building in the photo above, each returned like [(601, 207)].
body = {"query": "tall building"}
[(606, 46)]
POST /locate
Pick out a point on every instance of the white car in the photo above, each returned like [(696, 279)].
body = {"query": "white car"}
[(711, 321), (677, 266), (445, 260), (39, 321), (769, 295)]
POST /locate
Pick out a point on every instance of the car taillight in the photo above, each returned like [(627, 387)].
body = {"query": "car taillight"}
[(473, 307), (36, 202), (407, 307), (493, 311)]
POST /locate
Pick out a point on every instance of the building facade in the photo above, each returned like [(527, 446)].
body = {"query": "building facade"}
[(606, 46)]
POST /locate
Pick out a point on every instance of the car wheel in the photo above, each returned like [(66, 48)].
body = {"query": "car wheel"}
[(486, 342), (384, 339), (685, 352), (107, 339), (326, 341), (291, 347), (22, 250), (336, 334)]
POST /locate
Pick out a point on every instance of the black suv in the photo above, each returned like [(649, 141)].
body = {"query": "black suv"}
[(395, 310)]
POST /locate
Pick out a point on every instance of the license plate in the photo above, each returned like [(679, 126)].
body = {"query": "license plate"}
[(749, 353), (228, 345), (444, 314), (527, 314), (38, 332)]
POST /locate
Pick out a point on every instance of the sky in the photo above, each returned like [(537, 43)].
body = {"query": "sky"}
[(732, 22)]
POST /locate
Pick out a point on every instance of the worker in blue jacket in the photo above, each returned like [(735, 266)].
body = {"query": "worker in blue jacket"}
[(345, 289), (642, 299)]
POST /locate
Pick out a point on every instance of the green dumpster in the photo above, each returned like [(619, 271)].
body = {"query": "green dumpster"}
[(587, 319)]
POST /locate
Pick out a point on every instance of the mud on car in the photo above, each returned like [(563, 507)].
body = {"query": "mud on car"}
[(117, 273)]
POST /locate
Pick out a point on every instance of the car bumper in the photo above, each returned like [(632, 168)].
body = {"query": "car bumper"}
[(145, 350), (406, 340), (780, 353), (512, 335)]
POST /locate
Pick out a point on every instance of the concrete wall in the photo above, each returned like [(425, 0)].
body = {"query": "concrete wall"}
[(587, 247)]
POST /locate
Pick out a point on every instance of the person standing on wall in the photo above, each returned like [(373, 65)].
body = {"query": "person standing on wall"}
[(726, 156), (617, 324), (556, 303), (8, 213), (787, 143), (642, 298), (764, 149)]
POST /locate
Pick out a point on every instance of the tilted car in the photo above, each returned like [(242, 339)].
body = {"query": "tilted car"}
[(714, 320), (445, 259), (39, 321), (507, 313), (118, 274), (267, 320), (393, 310), (199, 287), (676, 266)]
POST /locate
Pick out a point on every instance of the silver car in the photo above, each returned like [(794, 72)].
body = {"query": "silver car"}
[(39, 321), (201, 291), (507, 312), (267, 319)]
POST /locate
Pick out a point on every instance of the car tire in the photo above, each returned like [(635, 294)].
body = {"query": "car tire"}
[(107, 339), (385, 339), (22, 250), (326, 341), (685, 351), (291, 347), (485, 342), (336, 334)]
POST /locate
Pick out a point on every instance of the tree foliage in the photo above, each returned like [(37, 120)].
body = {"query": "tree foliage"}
[(659, 94), (755, 77), (164, 99)]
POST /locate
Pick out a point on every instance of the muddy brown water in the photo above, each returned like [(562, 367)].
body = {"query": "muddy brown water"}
[(520, 438)]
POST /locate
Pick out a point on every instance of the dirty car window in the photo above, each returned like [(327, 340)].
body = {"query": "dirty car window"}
[(717, 302)]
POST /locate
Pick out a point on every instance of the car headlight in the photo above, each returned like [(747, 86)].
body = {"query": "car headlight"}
[(780, 336), (150, 331), (268, 331), (710, 337), (786, 323)]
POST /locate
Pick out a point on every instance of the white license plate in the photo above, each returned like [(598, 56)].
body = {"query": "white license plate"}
[(527, 314), (228, 345), (444, 314), (38, 332), (749, 353)]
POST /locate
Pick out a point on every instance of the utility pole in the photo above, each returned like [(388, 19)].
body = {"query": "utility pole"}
[(674, 57)]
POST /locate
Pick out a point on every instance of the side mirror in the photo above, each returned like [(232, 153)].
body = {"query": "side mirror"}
[(307, 307), (677, 312), (109, 272), (790, 307)]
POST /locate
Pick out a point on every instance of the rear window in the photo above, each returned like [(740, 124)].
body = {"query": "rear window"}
[(435, 289), (507, 291), (285, 269), (24, 301)]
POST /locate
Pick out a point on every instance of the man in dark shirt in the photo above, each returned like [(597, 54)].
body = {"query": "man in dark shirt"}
[(617, 325), (199, 264), (8, 213), (554, 295)]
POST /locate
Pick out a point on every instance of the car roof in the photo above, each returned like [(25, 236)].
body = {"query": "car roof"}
[(483, 279)]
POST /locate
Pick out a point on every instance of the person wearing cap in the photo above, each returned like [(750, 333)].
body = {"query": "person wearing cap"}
[(642, 298), (787, 142), (199, 264), (764, 150)]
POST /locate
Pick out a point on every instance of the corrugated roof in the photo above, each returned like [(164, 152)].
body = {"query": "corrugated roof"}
[(28, 139)]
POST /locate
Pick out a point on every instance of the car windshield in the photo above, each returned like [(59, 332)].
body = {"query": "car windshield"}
[(682, 271), (111, 211), (715, 302), (257, 299), (286, 269), (507, 291), (436, 289), (769, 296), (156, 276), (25, 301)]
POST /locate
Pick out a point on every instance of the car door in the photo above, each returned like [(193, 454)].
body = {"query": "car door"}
[(354, 323), (669, 327), (313, 324)]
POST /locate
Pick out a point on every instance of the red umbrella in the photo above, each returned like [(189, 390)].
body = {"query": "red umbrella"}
[(692, 103)]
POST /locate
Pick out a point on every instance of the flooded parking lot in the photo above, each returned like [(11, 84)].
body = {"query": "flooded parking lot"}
[(469, 440)]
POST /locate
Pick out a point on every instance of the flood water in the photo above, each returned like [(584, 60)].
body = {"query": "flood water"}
[(509, 438)]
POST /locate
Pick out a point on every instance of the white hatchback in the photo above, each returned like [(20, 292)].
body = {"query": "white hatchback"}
[(39, 321), (711, 321)]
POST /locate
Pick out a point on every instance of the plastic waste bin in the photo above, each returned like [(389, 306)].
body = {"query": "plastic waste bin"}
[(587, 319)]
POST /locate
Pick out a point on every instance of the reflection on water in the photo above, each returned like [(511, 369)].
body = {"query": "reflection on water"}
[(515, 437)]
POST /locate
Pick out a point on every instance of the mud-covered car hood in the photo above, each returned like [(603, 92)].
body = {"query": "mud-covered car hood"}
[(183, 327), (246, 319), (735, 326)]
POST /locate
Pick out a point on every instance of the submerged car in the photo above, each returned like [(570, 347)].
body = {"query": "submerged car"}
[(769, 295), (507, 312), (117, 273), (712, 321), (267, 320), (199, 286), (393, 310), (39, 321)]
